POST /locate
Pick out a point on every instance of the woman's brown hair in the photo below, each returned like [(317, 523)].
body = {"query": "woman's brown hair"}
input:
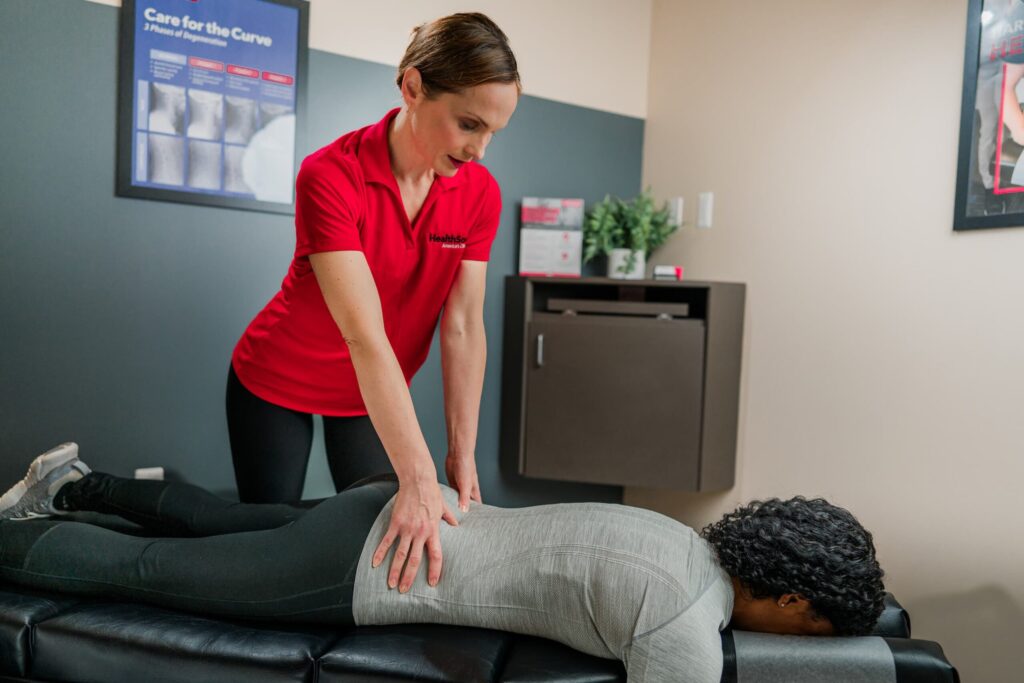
[(459, 51)]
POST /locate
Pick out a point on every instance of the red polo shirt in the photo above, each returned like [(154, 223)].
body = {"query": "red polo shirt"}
[(292, 354)]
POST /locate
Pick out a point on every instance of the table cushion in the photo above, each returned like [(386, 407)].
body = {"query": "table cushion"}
[(422, 652), (128, 642), (19, 612), (46, 637)]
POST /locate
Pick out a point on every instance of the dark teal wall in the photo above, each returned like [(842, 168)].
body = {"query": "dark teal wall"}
[(118, 316)]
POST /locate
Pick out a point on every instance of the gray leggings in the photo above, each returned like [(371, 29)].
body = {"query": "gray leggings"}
[(208, 555)]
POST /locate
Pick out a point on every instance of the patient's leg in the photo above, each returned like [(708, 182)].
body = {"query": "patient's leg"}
[(301, 572), (171, 508)]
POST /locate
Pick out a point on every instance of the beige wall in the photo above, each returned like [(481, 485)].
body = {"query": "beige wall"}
[(570, 50), (884, 354)]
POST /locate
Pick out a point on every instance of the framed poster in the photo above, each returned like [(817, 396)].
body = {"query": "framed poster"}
[(211, 93), (990, 168)]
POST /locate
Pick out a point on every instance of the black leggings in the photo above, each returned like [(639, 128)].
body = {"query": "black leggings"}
[(270, 447), (240, 560)]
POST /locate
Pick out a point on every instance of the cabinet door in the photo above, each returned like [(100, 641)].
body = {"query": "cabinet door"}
[(614, 400)]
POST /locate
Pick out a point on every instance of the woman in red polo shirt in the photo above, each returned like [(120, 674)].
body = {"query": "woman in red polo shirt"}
[(394, 224)]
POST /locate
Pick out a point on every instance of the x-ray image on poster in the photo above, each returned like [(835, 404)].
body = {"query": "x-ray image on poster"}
[(210, 92)]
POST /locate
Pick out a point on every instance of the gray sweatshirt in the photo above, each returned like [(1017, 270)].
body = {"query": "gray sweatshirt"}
[(609, 580)]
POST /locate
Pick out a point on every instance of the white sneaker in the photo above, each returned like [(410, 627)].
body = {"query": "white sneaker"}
[(32, 497)]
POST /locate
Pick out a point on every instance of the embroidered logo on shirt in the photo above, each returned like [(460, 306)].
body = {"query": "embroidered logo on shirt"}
[(448, 240)]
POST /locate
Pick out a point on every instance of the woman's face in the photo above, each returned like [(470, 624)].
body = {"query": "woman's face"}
[(453, 129)]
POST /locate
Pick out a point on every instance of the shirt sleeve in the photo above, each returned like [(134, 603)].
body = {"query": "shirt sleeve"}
[(481, 235), (326, 210), (687, 649)]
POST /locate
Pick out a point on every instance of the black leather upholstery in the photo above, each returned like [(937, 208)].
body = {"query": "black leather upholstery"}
[(52, 638), (18, 614), (921, 661), (420, 652), (894, 622), (107, 642), (535, 660), (48, 638)]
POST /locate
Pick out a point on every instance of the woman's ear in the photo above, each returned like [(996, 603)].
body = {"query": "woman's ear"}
[(412, 86), (792, 599), (802, 617)]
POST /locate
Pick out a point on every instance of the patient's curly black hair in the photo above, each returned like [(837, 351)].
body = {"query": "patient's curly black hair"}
[(809, 547)]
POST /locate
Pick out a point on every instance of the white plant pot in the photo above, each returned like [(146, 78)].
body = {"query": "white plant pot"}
[(617, 260)]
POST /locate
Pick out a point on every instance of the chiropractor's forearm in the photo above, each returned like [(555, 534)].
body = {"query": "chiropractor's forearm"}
[(390, 408), (463, 360), (351, 296)]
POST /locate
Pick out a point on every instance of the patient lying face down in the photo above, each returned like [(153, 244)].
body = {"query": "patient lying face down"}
[(799, 566), (609, 580)]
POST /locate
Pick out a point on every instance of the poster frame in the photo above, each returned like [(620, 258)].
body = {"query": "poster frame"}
[(126, 113), (966, 150)]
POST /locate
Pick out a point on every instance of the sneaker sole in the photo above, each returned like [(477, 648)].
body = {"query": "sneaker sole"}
[(29, 516)]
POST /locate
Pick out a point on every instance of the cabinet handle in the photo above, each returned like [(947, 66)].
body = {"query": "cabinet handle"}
[(540, 350)]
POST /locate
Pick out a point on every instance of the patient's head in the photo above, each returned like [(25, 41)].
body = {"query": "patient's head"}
[(800, 567)]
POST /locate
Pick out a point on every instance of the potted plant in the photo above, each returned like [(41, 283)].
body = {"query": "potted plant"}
[(626, 231)]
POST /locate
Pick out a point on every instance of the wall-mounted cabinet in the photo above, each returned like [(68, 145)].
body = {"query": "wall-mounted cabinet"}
[(629, 383)]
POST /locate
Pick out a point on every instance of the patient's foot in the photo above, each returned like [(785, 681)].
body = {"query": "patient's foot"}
[(32, 497)]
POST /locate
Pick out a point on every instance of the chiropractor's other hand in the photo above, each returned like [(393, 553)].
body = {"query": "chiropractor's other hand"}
[(461, 472), (415, 525)]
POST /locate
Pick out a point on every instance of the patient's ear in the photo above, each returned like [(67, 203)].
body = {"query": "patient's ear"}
[(802, 618), (794, 599), (789, 614)]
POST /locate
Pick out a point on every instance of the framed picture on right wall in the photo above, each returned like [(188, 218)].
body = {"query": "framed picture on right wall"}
[(990, 167)]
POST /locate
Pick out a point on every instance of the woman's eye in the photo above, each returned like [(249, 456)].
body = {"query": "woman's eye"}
[(467, 126)]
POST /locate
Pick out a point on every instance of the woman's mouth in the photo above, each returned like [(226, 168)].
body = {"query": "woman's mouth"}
[(457, 163)]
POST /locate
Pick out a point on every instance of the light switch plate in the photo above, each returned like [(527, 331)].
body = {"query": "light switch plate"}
[(705, 207), (675, 209)]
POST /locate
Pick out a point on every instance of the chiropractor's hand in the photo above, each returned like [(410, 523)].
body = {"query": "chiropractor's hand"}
[(415, 524), (461, 472)]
